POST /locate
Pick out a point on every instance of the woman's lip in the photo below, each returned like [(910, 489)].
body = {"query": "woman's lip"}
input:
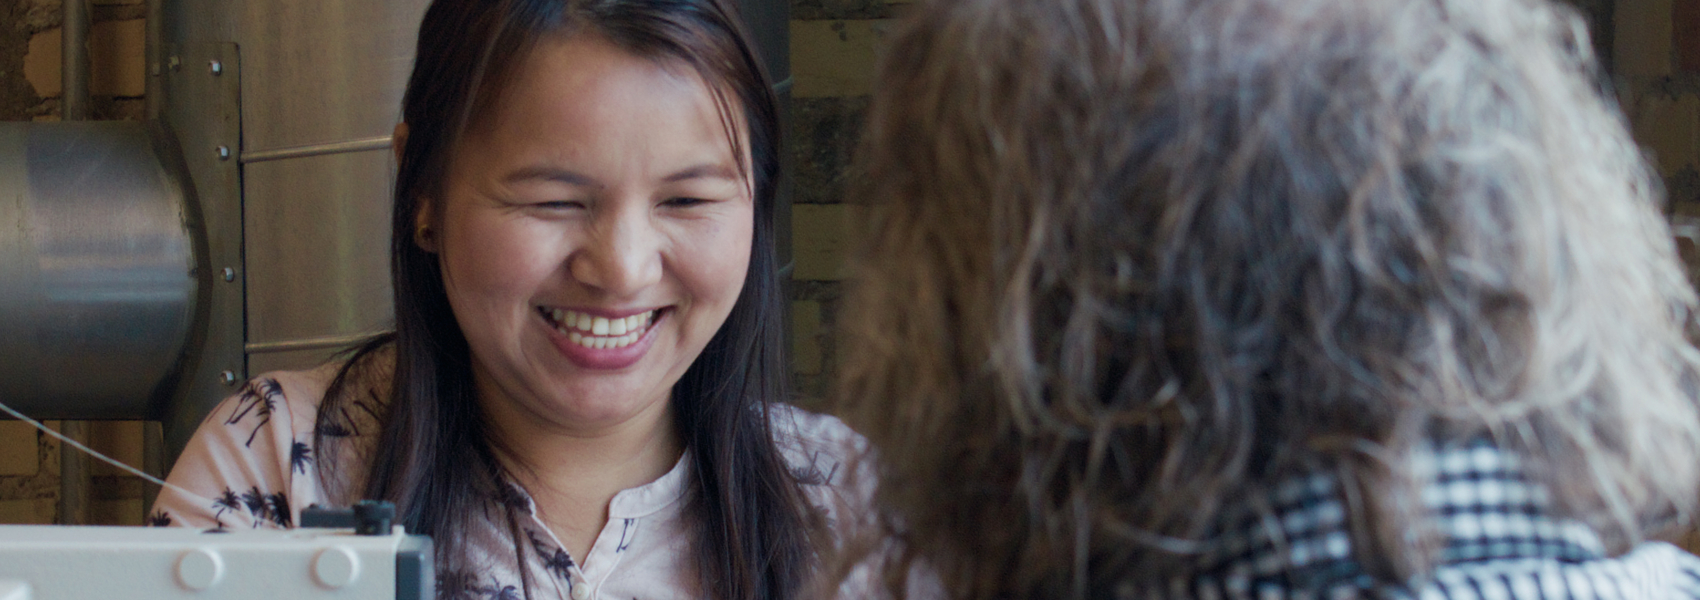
[(602, 358), (607, 313)]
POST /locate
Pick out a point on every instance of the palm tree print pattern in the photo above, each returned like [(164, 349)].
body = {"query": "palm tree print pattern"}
[(262, 507), (278, 505), (256, 503), (255, 481), (226, 501), (300, 456), (811, 474), (510, 496), (625, 535), (555, 560), (257, 399), (345, 420), (464, 585)]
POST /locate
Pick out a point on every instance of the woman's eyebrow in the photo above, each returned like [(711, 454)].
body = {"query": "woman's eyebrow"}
[(552, 174), (703, 171)]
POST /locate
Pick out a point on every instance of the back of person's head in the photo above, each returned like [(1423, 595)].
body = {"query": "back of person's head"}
[(1129, 262)]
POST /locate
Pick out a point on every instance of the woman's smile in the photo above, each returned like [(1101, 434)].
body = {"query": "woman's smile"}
[(595, 232), (594, 341)]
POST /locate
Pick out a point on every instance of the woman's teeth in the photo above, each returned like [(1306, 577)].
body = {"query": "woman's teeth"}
[(600, 332)]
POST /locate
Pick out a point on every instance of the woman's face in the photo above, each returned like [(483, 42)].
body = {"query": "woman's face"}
[(594, 233)]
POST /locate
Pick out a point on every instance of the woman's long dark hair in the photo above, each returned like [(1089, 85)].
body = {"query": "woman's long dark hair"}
[(437, 464)]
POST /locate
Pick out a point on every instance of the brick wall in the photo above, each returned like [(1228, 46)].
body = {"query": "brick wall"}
[(29, 90), (1656, 60), (834, 47)]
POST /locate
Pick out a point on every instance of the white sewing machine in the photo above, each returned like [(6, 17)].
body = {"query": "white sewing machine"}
[(40, 562)]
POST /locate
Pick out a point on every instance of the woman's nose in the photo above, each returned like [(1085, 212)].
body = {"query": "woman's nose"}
[(621, 256)]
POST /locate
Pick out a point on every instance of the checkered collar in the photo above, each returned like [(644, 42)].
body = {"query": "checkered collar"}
[(1500, 536)]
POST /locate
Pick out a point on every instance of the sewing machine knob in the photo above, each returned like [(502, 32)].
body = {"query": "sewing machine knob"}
[(336, 567), (199, 569)]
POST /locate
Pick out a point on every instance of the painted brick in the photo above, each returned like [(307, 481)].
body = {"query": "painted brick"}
[(1642, 42), (1670, 128), (825, 132), (35, 511), (17, 449), (128, 511), (1683, 189), (1685, 35), (819, 239), (121, 440), (835, 58), (117, 54), (814, 10), (50, 450), (805, 337)]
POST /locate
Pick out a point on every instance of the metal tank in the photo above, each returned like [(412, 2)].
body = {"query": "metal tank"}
[(147, 270), (98, 268)]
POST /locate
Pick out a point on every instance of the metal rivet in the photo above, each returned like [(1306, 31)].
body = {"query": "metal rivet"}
[(227, 377), (224, 152), (229, 274), (199, 569), (217, 67), (336, 567)]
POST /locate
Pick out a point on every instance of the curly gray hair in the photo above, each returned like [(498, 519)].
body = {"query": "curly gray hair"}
[(1128, 261)]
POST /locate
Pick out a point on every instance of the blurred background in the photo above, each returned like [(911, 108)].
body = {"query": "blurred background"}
[(307, 167)]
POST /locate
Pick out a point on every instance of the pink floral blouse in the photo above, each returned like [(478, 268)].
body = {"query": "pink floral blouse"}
[(252, 464)]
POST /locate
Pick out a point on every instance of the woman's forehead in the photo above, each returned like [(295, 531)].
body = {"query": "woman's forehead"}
[(583, 99)]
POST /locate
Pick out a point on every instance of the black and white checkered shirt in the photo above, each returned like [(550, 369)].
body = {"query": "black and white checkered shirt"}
[(1501, 543)]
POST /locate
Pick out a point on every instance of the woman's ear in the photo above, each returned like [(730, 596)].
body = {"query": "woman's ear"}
[(425, 235), (398, 140)]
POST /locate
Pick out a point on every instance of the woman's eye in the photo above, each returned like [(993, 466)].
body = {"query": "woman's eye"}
[(559, 204), (682, 202)]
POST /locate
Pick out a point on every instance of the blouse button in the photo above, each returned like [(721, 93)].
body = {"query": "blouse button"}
[(581, 592)]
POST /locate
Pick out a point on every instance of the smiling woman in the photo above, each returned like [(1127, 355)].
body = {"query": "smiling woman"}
[(579, 399), (603, 185)]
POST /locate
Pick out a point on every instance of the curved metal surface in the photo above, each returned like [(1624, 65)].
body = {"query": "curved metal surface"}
[(96, 289)]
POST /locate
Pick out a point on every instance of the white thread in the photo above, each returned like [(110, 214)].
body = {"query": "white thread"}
[(134, 471)]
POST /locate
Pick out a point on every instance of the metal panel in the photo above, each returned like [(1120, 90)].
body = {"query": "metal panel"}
[(318, 76), (317, 71), (293, 360), (202, 82), (318, 246), (324, 71), (96, 291)]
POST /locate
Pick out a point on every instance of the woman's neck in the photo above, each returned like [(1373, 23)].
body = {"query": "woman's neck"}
[(573, 473)]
